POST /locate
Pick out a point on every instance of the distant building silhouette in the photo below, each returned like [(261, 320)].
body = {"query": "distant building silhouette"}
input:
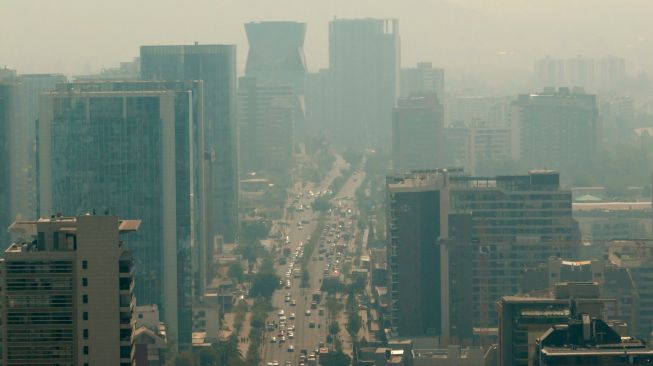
[(422, 79), (364, 61), (555, 129), (276, 53), (418, 133)]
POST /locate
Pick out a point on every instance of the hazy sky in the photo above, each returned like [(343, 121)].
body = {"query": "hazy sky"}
[(496, 37)]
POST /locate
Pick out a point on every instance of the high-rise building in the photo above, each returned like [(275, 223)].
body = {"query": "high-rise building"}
[(364, 60), (319, 102), (418, 134), (276, 53), (133, 149), (422, 79), (604, 74), (19, 106), (215, 65), (487, 144), (417, 262), (66, 293), (555, 129), (549, 72), (266, 114), (517, 222), (7, 97)]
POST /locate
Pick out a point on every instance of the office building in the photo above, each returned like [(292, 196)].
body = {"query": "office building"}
[(549, 72), (417, 134), (267, 113), (637, 257), (132, 148), (487, 145), (276, 53), (555, 129), (516, 222), (467, 109), (319, 102), (417, 262), (523, 319), (586, 340), (614, 283), (422, 79), (67, 292), (19, 106), (215, 65), (364, 61)]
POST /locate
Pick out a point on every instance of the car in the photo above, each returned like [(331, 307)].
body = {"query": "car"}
[(307, 313), (291, 328), (286, 299), (282, 339), (291, 335), (291, 348), (275, 363), (293, 303), (291, 316), (287, 285), (281, 313), (288, 363), (273, 340), (311, 324)]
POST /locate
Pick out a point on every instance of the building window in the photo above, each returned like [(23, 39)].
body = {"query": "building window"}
[(86, 350), (85, 315), (85, 299), (84, 264), (85, 282), (85, 332)]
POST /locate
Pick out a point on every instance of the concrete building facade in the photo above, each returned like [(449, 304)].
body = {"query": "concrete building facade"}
[(423, 78), (67, 293)]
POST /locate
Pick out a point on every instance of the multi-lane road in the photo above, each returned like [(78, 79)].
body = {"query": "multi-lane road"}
[(305, 337)]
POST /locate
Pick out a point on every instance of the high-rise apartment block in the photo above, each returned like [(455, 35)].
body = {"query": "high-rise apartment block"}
[(134, 149), (267, 115), (67, 292), (418, 134), (364, 61), (555, 129), (417, 261), (422, 79), (215, 65)]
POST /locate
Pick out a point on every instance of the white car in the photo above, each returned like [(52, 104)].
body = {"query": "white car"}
[(291, 335), (307, 313), (291, 316), (291, 348), (281, 312)]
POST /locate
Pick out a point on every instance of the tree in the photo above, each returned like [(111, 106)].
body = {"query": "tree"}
[(354, 323), (333, 306), (335, 359), (321, 204), (334, 328), (264, 285), (235, 271), (305, 282)]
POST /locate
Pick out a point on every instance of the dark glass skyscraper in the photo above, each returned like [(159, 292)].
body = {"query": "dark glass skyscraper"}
[(215, 65), (131, 148)]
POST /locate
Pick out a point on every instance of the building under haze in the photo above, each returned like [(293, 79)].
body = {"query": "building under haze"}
[(422, 79), (266, 115), (418, 134), (7, 96), (66, 292), (364, 61), (134, 149), (604, 74), (417, 262), (555, 129), (515, 222), (215, 65), (276, 53)]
